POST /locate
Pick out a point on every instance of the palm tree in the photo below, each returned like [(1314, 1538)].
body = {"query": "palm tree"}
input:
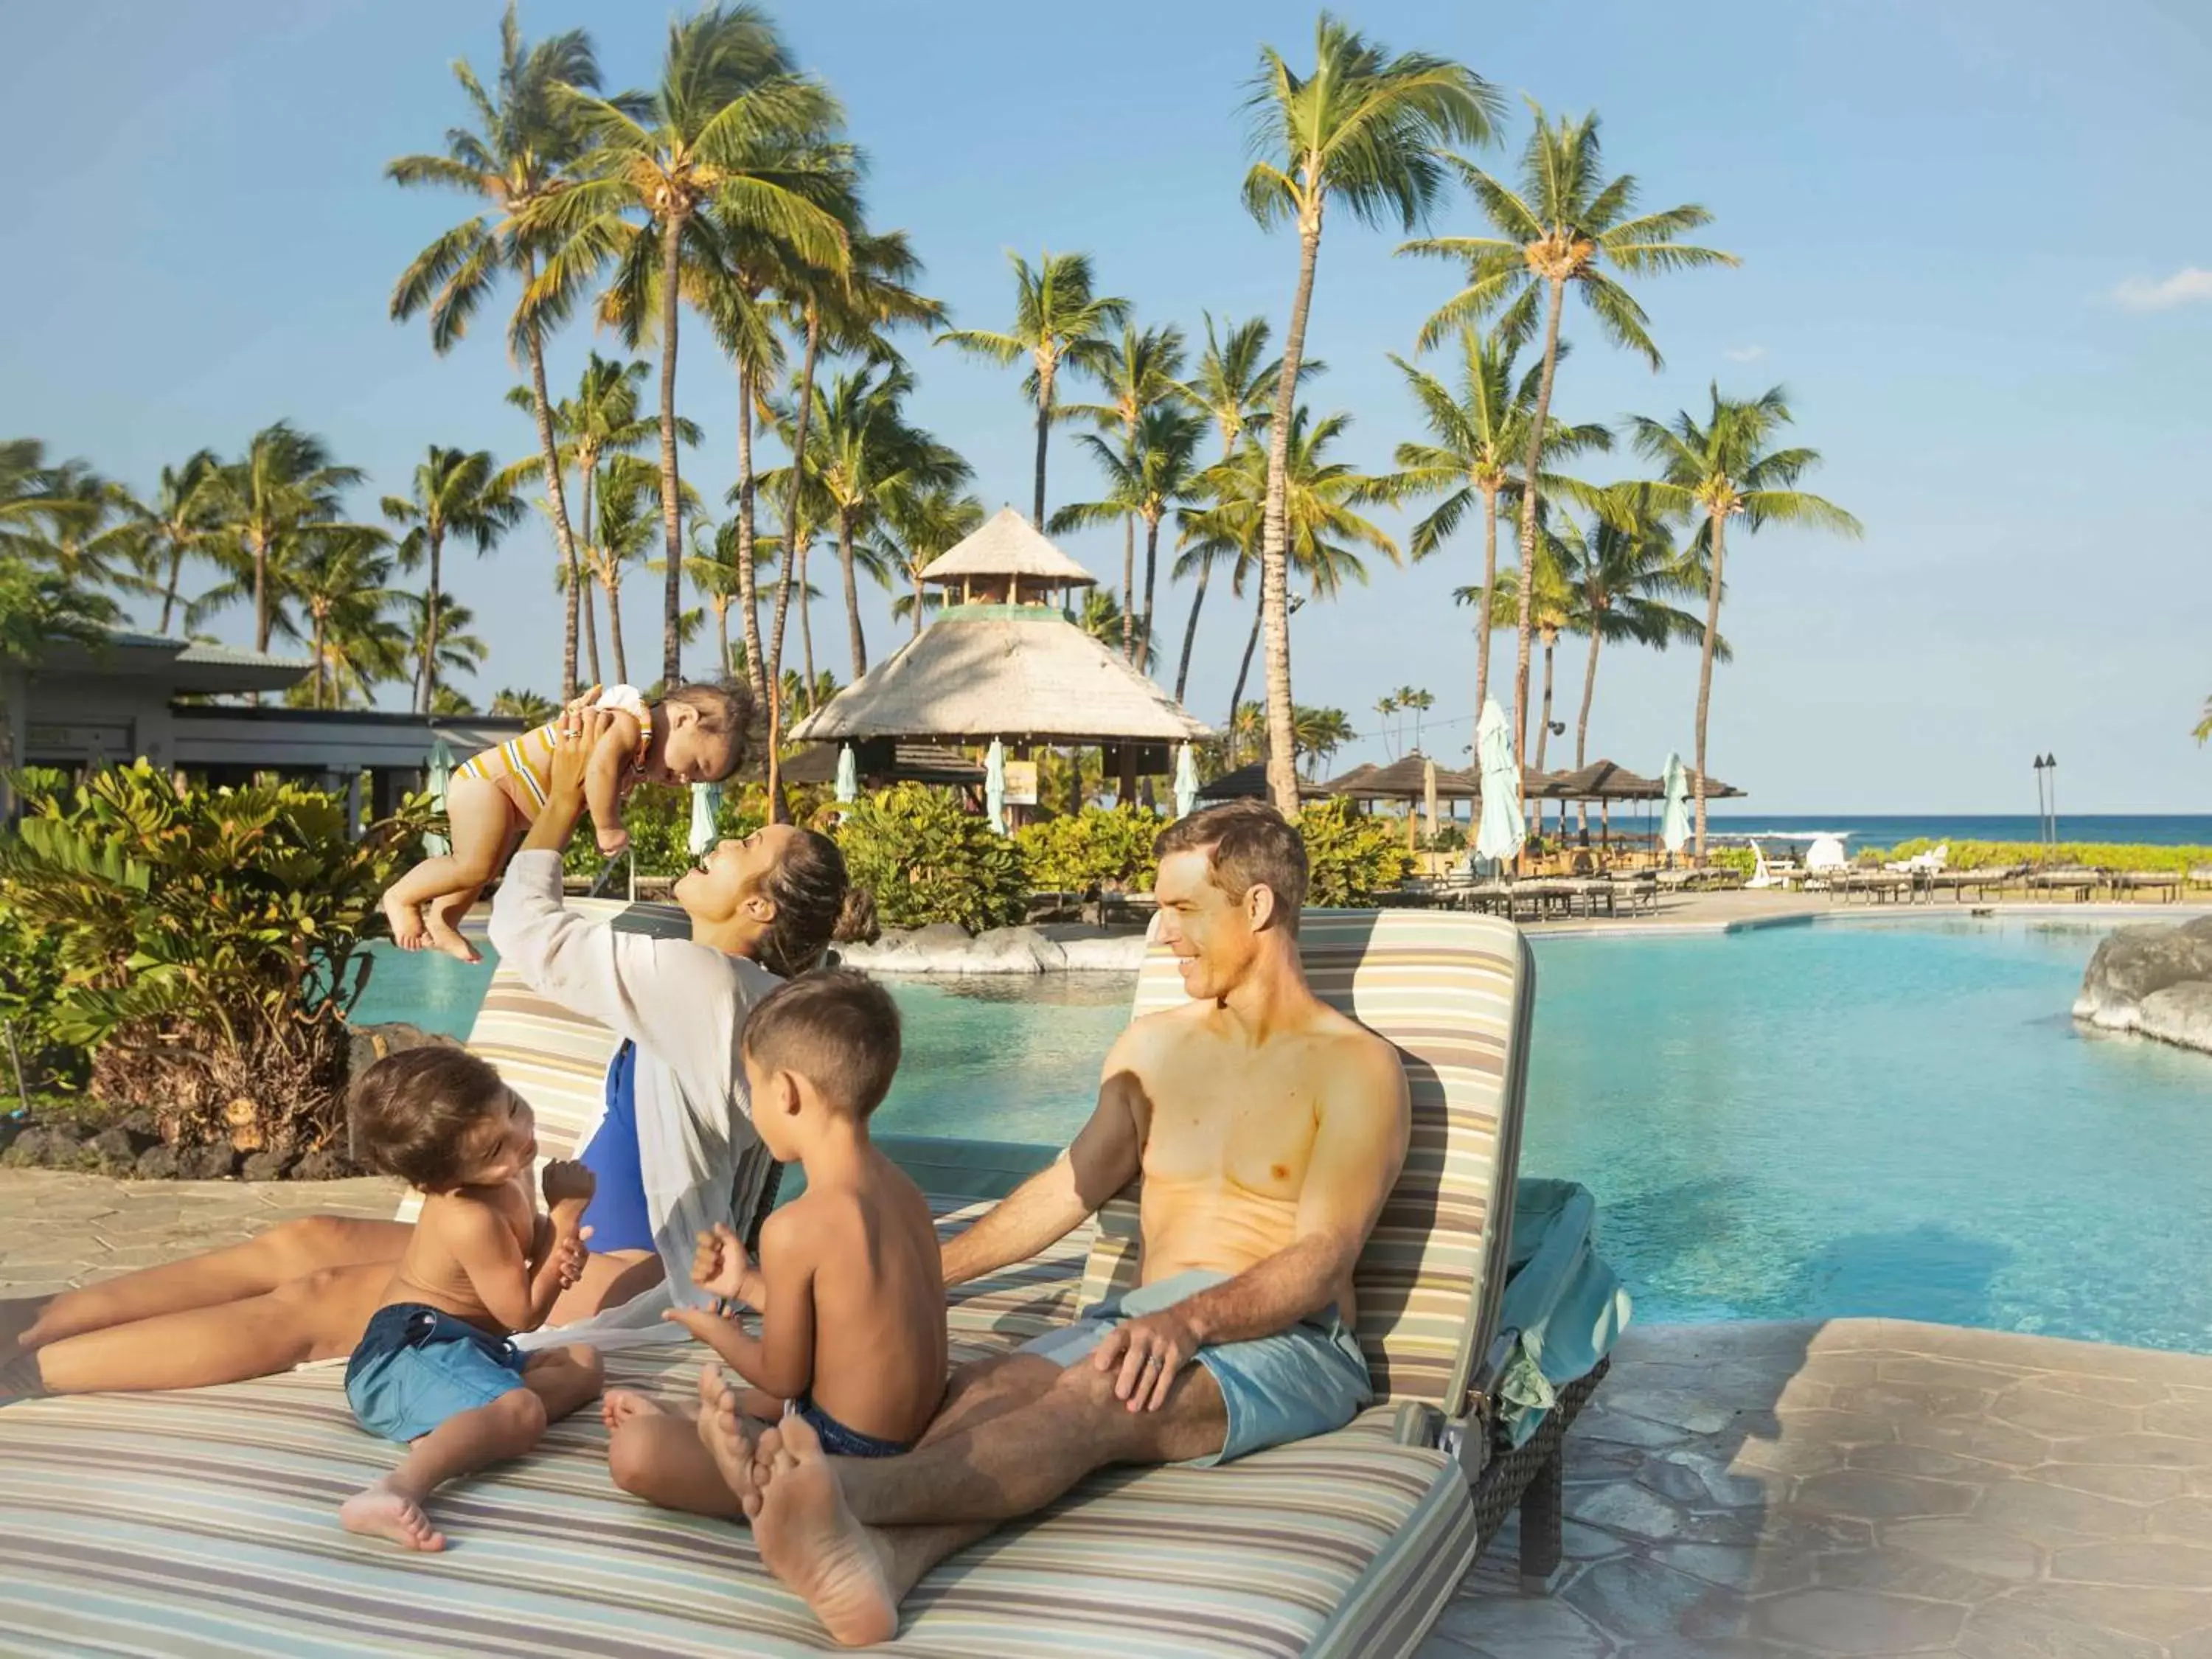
[(732, 125), (1546, 600), (1323, 525), (84, 528), (1363, 128), (1139, 376), (1622, 572), (1387, 707), (918, 526), (1319, 733), (1416, 701), (1565, 225), (343, 584), (521, 159), (457, 493), (862, 451), (456, 649), (1061, 324), (622, 532), (2203, 732), (525, 706), (178, 521), (1156, 470), (603, 417), (1479, 439), (713, 572), (1235, 381), (1724, 469), (1101, 618), (285, 483)]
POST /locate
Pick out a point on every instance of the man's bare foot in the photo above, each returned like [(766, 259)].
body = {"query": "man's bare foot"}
[(382, 1512), (809, 1538), (409, 930), (722, 1430), (444, 936), (618, 1406)]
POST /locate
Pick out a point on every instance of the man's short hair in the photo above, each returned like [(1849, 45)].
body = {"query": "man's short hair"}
[(1248, 844), (837, 1028)]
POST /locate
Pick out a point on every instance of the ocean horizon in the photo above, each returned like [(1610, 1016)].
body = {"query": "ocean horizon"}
[(1889, 829)]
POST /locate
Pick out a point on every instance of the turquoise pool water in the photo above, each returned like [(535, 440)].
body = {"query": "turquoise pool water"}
[(1804, 1122)]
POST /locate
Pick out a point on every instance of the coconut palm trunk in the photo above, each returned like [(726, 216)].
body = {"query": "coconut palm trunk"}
[(722, 634), (1244, 669), (1274, 532), (261, 592), (1129, 586), (317, 689), (1043, 431), (776, 802), (564, 535), (852, 595), (1190, 629), (614, 626), (1705, 671), (433, 600), (1529, 503), (805, 623), (748, 583), (1152, 571), (1581, 721), (1544, 724), (671, 610), (592, 628), (1489, 598), (914, 570), (169, 588)]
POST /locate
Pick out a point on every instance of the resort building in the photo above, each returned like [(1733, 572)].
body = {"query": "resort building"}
[(141, 696)]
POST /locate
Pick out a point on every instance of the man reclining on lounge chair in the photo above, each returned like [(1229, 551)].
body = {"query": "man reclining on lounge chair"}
[(1269, 1129)]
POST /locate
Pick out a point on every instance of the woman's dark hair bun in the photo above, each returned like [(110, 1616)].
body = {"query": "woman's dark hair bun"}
[(856, 920)]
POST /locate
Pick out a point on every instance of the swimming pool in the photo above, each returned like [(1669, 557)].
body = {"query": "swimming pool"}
[(1804, 1122)]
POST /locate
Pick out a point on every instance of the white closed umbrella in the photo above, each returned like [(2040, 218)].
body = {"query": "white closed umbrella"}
[(994, 786), (848, 775), (706, 817), (1675, 816), (441, 776), (1501, 832), (1186, 781), (1429, 800)]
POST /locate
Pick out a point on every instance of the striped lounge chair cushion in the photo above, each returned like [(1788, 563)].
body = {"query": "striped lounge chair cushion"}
[(1449, 991)]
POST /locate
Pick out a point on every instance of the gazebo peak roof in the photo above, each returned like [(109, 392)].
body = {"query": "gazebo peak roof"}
[(1006, 544)]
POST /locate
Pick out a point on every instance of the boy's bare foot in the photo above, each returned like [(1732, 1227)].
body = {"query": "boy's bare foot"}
[(409, 930), (618, 1406), (809, 1538), (722, 1430), (383, 1512), (444, 936)]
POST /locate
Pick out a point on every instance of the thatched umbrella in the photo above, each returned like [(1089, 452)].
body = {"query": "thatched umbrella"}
[(1405, 779), (1249, 782)]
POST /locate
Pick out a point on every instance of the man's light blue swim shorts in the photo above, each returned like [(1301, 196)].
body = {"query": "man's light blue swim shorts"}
[(1305, 1380)]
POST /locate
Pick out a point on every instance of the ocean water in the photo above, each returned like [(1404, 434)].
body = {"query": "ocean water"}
[(1871, 1118), (2157, 829)]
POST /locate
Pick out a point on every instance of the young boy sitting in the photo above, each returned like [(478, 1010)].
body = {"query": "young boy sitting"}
[(850, 1288), (435, 1370), (696, 734)]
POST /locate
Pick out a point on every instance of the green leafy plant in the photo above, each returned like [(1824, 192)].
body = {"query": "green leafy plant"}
[(1099, 847), (1351, 856), (2095, 855), (207, 943), (926, 861)]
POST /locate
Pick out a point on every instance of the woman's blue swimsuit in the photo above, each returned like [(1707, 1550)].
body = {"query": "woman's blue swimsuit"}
[(617, 1215)]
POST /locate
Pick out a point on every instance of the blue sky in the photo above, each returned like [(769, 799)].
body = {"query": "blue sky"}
[(1975, 249)]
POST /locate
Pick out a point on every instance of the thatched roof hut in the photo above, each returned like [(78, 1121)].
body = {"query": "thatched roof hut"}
[(1249, 782), (1014, 667), (1604, 781), (1404, 779)]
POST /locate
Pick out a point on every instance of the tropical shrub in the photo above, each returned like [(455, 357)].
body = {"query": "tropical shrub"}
[(2096, 855), (1351, 856), (1099, 847), (207, 946), (926, 861), (33, 1058), (659, 819), (1741, 860)]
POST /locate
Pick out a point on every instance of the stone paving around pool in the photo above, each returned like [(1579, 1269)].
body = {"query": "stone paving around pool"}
[(1864, 1487)]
